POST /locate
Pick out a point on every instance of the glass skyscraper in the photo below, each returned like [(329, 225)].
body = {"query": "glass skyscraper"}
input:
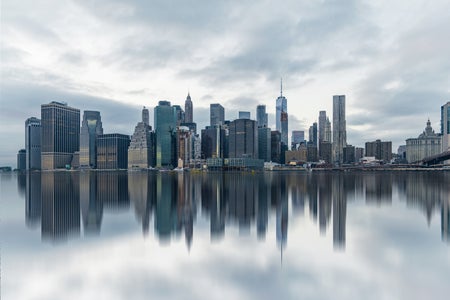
[(282, 116), (261, 116), (91, 127), (60, 134), (243, 139), (165, 128), (217, 114), (33, 143)]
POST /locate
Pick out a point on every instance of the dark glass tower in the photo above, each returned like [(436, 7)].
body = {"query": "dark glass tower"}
[(60, 134), (165, 128), (243, 139), (91, 127), (339, 129), (188, 113), (261, 116), (217, 114), (33, 143)]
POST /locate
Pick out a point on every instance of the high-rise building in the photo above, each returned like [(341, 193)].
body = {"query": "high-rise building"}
[(145, 116), (91, 127), (275, 146), (112, 151), (188, 110), (213, 142), (328, 131), (326, 151), (179, 113), (141, 152), (33, 143), (445, 126), (380, 150), (243, 141), (184, 138), (264, 144), (261, 116), (313, 134), (244, 115), (322, 124), (284, 129), (21, 160), (217, 114), (165, 129), (339, 129), (349, 154), (359, 153), (298, 137), (428, 143), (281, 105), (60, 134)]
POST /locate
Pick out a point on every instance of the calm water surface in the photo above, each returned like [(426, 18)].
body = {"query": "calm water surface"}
[(116, 235)]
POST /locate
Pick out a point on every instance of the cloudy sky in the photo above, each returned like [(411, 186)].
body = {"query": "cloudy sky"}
[(390, 59)]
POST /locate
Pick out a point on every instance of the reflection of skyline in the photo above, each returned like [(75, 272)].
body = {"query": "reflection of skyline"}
[(57, 200)]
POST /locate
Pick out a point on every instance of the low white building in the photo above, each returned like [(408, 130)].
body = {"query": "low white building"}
[(427, 144)]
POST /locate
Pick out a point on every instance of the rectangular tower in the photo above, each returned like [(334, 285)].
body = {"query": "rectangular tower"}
[(217, 114), (339, 129), (60, 134), (33, 143), (165, 129)]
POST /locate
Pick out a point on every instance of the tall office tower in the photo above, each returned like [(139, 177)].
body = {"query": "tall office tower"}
[(33, 143), (243, 139), (60, 134), (264, 144), (141, 149), (275, 146), (217, 114), (339, 129), (184, 147), (21, 160), (298, 137), (284, 128), (281, 106), (213, 142), (112, 151), (244, 115), (261, 116), (328, 131), (322, 124), (165, 128), (445, 126), (313, 134), (188, 110), (91, 127)]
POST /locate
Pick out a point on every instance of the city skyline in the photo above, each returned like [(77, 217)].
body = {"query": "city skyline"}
[(45, 58)]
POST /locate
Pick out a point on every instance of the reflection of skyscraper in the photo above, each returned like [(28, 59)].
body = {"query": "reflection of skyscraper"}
[(91, 206), (166, 199), (112, 190), (339, 129), (33, 203), (339, 211), (242, 191), (60, 205), (262, 217), (325, 201), (33, 143), (142, 191), (91, 127), (60, 135), (378, 188), (213, 201)]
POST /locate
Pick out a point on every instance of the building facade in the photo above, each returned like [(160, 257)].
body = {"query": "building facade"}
[(445, 126), (213, 142), (91, 127), (243, 139), (313, 134), (141, 152), (216, 114), (112, 151), (244, 115), (339, 129), (281, 116), (275, 146), (33, 143), (298, 137), (165, 130), (261, 116), (380, 150), (21, 160), (428, 143), (60, 134), (264, 144)]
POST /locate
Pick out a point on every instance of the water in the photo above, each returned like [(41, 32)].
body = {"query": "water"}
[(116, 235)]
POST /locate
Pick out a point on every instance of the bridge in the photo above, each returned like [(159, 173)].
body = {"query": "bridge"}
[(436, 159)]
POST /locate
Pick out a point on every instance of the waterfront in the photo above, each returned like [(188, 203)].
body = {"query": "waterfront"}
[(340, 235)]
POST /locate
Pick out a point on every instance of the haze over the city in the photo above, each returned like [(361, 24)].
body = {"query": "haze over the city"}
[(391, 60)]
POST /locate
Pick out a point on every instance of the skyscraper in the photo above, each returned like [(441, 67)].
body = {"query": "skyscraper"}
[(261, 116), (165, 128), (141, 150), (217, 114), (188, 112), (339, 129), (21, 160), (244, 115), (322, 124), (212, 142), (298, 137), (281, 116), (112, 151), (445, 126), (328, 131), (60, 134), (313, 134), (91, 127), (243, 139), (264, 143), (33, 143)]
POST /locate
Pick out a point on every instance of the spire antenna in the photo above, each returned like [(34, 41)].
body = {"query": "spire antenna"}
[(281, 86)]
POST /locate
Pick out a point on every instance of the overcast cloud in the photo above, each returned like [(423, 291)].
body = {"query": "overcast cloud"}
[(390, 60)]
